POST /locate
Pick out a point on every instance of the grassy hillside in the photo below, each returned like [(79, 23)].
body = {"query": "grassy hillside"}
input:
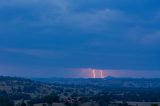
[(14, 85)]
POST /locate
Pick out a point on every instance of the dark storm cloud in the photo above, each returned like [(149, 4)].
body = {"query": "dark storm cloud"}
[(106, 34)]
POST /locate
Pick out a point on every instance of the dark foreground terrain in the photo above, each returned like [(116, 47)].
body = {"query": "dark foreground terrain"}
[(79, 92)]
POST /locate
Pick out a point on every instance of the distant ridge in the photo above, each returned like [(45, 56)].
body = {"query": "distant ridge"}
[(109, 77), (106, 82), (18, 85)]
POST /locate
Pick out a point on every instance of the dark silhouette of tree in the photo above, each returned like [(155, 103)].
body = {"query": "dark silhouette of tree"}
[(102, 102), (67, 103), (76, 103), (51, 99), (92, 103), (23, 104), (44, 105), (6, 102), (102, 99), (154, 105), (29, 103)]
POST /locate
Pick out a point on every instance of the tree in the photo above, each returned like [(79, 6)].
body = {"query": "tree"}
[(102, 99), (92, 103), (67, 103), (102, 102), (29, 103), (6, 102), (23, 104), (76, 103), (44, 105), (51, 98), (154, 105)]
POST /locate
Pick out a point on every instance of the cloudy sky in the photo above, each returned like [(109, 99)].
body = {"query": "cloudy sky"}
[(63, 38)]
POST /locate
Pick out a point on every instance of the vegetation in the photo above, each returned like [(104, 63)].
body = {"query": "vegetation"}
[(154, 105), (29, 92), (6, 102)]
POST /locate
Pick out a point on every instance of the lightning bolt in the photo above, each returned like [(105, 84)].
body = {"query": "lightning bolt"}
[(94, 73), (101, 74)]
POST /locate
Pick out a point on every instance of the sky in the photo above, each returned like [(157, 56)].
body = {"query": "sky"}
[(66, 38)]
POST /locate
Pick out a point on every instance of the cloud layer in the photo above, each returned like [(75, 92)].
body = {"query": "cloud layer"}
[(106, 34)]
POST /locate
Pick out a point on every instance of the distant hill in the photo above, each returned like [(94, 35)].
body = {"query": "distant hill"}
[(17, 85), (38, 89), (106, 82), (43, 86)]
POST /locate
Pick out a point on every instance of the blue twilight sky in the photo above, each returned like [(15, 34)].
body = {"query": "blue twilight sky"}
[(59, 38)]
